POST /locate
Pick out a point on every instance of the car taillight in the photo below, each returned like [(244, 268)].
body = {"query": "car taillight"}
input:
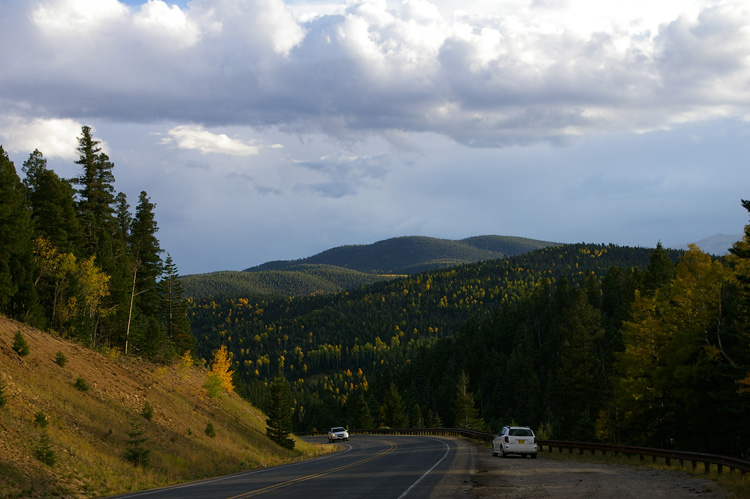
[(506, 439)]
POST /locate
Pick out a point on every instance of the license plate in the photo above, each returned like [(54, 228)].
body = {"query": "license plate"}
[(522, 441)]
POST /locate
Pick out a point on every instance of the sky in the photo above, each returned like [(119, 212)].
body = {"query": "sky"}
[(271, 130)]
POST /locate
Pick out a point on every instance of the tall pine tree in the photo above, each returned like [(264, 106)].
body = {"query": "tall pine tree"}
[(279, 422), (96, 199), (145, 268), (17, 294), (173, 309), (52, 205)]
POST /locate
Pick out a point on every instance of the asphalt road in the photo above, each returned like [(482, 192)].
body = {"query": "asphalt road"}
[(366, 466)]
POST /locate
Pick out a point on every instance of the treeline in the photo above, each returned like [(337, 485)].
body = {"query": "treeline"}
[(76, 260)]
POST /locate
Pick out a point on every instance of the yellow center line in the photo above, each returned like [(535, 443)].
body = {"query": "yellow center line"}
[(392, 447)]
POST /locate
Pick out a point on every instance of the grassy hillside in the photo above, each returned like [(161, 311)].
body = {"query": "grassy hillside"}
[(88, 431)]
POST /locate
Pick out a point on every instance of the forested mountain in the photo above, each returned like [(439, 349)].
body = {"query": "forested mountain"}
[(589, 342), (74, 258), (413, 254), (349, 267)]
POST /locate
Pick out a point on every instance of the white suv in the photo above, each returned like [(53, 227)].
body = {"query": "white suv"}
[(337, 433), (515, 440)]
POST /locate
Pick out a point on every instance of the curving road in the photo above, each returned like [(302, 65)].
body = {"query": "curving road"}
[(366, 466)]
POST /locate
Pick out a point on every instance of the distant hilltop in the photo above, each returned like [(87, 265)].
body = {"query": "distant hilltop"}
[(717, 244), (412, 254)]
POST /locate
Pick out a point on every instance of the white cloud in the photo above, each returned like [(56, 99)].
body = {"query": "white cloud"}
[(484, 75), (53, 137), (162, 21), (196, 138), (77, 15)]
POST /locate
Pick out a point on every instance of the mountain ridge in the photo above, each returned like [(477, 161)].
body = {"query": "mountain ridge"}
[(351, 266), (412, 254)]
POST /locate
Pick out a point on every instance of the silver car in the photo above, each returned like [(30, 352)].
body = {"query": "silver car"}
[(515, 440), (338, 433)]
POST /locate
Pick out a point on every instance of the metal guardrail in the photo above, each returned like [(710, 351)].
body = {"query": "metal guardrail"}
[(667, 455)]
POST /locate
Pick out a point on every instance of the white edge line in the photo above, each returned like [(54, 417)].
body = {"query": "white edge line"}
[(234, 475), (447, 450)]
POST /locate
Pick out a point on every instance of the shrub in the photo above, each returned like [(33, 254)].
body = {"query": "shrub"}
[(40, 419), (213, 385), (60, 359), (44, 451), (3, 398), (148, 411), (210, 431), (20, 345), (136, 452), (81, 384)]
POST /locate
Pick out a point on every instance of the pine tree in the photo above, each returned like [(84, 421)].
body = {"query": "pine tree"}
[(392, 412), (96, 212), (96, 198), (279, 422), (144, 247), (17, 294), (740, 262), (3, 397), (361, 418), (173, 309), (465, 413), (52, 205), (146, 266), (137, 452), (660, 269), (44, 451), (20, 346)]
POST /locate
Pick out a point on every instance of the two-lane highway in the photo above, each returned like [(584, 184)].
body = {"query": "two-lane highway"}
[(366, 466)]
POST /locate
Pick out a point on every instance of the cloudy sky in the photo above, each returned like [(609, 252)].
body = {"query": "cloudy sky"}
[(265, 129)]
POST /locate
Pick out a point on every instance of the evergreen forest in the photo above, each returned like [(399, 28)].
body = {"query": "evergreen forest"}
[(77, 260)]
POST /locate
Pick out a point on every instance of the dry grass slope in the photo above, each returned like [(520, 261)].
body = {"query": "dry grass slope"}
[(89, 430)]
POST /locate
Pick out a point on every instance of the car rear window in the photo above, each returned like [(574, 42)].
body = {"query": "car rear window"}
[(520, 432)]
